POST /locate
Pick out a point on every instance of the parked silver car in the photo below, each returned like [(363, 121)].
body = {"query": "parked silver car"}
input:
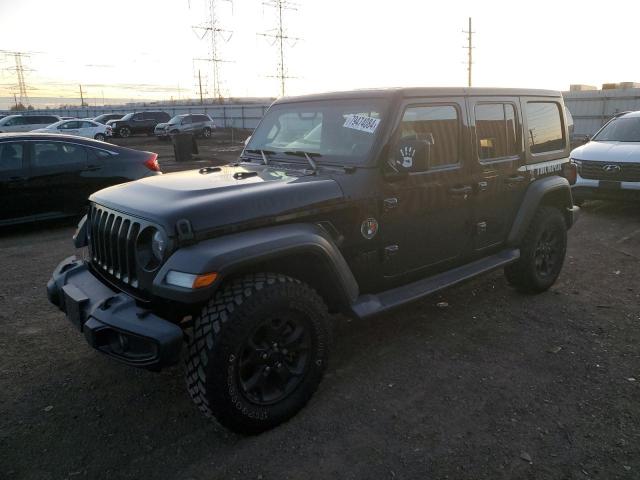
[(609, 165), (196, 123), (26, 123)]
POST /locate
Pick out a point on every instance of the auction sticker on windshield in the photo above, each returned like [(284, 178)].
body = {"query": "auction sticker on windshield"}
[(362, 123)]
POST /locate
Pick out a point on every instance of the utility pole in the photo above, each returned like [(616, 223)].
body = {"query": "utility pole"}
[(200, 85), (469, 48), (81, 97), (15, 100), (279, 35)]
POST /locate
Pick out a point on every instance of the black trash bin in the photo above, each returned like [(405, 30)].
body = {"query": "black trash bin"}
[(184, 144)]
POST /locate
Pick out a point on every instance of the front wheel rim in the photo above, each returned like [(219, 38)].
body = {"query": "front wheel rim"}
[(274, 359), (207, 132)]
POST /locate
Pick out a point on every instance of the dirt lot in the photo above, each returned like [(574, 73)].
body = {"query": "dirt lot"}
[(496, 385)]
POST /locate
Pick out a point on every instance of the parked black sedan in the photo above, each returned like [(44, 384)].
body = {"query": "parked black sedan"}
[(45, 176)]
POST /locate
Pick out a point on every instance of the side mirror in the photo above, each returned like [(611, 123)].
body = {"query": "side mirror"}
[(246, 141)]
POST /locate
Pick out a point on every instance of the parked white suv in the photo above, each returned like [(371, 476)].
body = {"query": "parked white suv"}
[(26, 123), (609, 165)]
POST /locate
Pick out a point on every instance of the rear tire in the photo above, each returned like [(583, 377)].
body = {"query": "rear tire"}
[(124, 132), (542, 252), (100, 137), (258, 352)]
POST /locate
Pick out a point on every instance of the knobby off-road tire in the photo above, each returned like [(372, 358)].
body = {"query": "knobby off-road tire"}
[(542, 252), (256, 332)]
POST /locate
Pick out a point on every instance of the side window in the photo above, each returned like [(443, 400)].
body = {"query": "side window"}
[(70, 125), (87, 125), (431, 134), (496, 130), (137, 117), (14, 122), (187, 120), (10, 156), (51, 154), (545, 132), (98, 155)]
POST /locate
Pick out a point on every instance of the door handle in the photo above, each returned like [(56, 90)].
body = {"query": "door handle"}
[(465, 190), (515, 179)]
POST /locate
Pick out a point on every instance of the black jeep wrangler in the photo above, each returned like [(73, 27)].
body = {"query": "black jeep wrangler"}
[(353, 202)]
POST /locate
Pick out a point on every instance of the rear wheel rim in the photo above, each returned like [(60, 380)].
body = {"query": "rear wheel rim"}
[(547, 253), (274, 358)]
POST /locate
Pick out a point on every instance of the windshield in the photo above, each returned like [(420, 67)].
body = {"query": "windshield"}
[(55, 125), (127, 116), (176, 119), (340, 131), (625, 129)]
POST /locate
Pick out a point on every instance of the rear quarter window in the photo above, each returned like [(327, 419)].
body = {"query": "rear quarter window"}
[(545, 132)]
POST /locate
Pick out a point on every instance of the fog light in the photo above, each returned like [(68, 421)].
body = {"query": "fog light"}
[(190, 280)]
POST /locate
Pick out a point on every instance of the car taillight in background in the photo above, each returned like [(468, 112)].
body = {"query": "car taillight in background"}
[(570, 172), (152, 162)]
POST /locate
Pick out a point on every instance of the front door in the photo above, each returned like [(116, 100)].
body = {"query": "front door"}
[(498, 153), (426, 219)]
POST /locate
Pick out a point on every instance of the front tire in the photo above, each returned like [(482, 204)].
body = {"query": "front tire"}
[(206, 133), (258, 352), (100, 137), (542, 252), (124, 132)]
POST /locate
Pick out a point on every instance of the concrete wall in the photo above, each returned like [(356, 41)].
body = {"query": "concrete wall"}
[(591, 109)]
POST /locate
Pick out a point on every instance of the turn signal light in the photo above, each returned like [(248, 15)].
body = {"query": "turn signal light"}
[(205, 280), (190, 280)]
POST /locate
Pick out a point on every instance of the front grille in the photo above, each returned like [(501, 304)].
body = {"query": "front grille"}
[(627, 172), (112, 239)]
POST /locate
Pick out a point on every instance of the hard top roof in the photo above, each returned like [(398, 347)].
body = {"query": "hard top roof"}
[(408, 92)]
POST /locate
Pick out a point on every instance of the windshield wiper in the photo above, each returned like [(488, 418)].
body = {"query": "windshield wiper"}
[(307, 155), (264, 154)]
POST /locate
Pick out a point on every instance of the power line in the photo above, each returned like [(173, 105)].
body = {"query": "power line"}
[(19, 70), (280, 36), (469, 48)]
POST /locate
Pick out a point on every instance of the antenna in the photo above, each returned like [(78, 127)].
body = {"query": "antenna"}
[(469, 48), (216, 35), (279, 35)]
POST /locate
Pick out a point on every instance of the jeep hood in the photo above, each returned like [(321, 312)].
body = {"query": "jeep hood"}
[(608, 152), (224, 196)]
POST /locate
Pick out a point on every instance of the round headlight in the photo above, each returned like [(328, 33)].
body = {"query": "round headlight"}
[(158, 245)]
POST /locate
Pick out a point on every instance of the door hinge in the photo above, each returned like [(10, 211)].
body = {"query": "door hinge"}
[(390, 203), (390, 251)]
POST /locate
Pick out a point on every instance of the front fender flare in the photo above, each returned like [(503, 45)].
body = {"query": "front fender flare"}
[(230, 253)]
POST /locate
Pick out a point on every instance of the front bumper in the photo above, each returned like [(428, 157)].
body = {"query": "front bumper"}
[(111, 321), (587, 189)]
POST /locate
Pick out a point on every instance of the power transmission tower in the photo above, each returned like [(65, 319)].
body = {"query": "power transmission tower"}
[(217, 35), (469, 48), (279, 36), (19, 70)]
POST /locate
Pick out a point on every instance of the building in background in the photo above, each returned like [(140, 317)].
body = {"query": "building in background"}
[(591, 107)]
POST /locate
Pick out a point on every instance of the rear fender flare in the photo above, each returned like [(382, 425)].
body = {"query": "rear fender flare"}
[(549, 190)]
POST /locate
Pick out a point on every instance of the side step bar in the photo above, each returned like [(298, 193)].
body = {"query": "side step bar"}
[(372, 304)]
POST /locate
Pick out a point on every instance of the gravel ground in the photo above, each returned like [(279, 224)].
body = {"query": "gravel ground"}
[(495, 385)]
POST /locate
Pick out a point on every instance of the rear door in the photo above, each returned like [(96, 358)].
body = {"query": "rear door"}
[(57, 176), (426, 216), (498, 153), (138, 123), (71, 127), (14, 198)]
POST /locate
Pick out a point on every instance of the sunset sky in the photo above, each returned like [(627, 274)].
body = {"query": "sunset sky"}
[(145, 49)]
